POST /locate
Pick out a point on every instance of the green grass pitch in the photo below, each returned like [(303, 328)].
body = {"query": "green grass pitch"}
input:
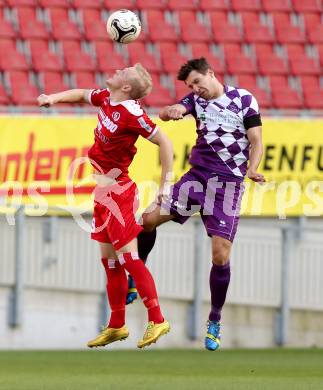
[(276, 369)]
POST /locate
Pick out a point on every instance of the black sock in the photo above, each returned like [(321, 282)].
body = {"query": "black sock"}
[(146, 242)]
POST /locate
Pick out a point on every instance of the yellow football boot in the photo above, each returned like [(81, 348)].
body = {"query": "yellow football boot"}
[(108, 336), (153, 332)]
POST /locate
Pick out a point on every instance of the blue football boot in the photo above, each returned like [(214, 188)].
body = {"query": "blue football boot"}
[(213, 337), (132, 294)]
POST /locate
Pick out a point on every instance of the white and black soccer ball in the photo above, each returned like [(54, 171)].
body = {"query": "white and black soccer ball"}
[(123, 26)]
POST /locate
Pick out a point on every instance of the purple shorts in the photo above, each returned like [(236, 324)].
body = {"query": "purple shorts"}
[(217, 200)]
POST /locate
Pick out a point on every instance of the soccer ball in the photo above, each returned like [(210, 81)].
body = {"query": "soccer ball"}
[(123, 26)]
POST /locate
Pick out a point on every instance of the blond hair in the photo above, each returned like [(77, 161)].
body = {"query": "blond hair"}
[(142, 85)]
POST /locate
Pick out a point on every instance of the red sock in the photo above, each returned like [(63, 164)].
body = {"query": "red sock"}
[(144, 283), (117, 288)]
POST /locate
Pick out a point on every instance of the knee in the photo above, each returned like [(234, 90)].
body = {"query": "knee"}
[(148, 223), (220, 255)]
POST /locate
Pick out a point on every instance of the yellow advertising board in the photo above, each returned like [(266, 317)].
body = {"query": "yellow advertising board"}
[(43, 162)]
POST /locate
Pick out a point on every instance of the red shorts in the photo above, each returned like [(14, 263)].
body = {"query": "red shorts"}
[(114, 219)]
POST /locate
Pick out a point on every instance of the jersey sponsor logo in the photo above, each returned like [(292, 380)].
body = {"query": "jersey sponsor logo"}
[(186, 101), (233, 107), (116, 116), (145, 125), (107, 122)]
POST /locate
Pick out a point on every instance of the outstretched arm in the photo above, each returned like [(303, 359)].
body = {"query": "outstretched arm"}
[(69, 96), (175, 112), (166, 159), (256, 150)]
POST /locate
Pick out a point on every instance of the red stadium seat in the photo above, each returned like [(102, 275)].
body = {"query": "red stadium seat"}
[(165, 30), (6, 29), (52, 82), (29, 26), (245, 5), (213, 5), (181, 89), (168, 49), (304, 66), (320, 53), (91, 15), (4, 99), (222, 30), (263, 49), (315, 34), (246, 81), (289, 34), (84, 80), (24, 95), (309, 82), (19, 3), (272, 65), (240, 64), (137, 53), (65, 30), (108, 60), (103, 49), (196, 33), (226, 33), (231, 49), (17, 77), (278, 82), (311, 20), (159, 97), (281, 19), (110, 64), (262, 97), (218, 17), (45, 61), (171, 63), (53, 3), (276, 5), (302, 6), (95, 30), (171, 60), (79, 62), (295, 51), (83, 4), (13, 60), (199, 49), (150, 4), (258, 34), (118, 4), (38, 46), (313, 99), (285, 98), (22, 91), (249, 17), (176, 5)]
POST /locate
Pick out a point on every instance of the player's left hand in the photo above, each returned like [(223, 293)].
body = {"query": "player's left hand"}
[(256, 177)]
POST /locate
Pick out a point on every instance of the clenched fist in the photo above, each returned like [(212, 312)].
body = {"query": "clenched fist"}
[(45, 100)]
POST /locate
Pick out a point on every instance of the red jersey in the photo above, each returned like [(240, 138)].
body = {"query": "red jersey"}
[(119, 126)]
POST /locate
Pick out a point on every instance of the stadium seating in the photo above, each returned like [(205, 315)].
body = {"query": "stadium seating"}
[(59, 44)]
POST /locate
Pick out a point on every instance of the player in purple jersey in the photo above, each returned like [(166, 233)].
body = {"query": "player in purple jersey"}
[(228, 127)]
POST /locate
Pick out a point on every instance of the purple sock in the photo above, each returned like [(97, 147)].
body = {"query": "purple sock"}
[(219, 283)]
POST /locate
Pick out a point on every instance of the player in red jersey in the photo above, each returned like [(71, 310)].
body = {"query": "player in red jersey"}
[(121, 120)]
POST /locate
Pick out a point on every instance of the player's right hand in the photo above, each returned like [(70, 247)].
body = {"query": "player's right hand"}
[(45, 100), (175, 112)]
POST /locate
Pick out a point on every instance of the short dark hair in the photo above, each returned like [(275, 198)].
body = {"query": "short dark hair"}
[(198, 64)]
